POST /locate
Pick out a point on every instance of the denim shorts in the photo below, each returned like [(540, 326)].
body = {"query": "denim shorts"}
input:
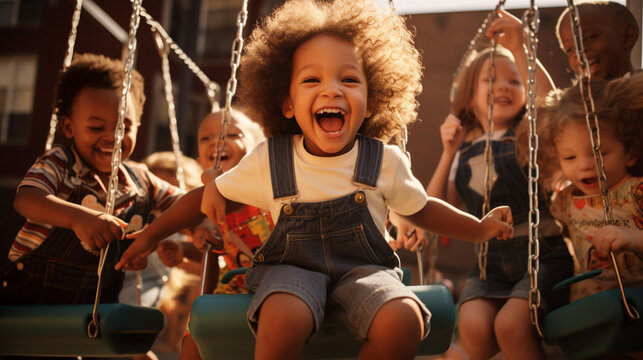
[(507, 274), (353, 299)]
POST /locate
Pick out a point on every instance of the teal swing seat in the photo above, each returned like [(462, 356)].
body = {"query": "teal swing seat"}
[(218, 326), (61, 330), (597, 324)]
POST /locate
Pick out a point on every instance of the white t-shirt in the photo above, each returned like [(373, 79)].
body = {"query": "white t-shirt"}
[(326, 178)]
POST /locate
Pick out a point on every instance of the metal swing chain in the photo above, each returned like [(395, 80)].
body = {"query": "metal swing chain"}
[(69, 54), (488, 159), (164, 50), (92, 328), (231, 89), (592, 125), (211, 87), (531, 22)]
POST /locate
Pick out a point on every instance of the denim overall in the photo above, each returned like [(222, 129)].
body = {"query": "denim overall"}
[(60, 271), (507, 260), (324, 243)]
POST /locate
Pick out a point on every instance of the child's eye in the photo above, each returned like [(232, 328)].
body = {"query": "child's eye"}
[(235, 135), (95, 128), (568, 157), (516, 82), (351, 80), (205, 138), (310, 80)]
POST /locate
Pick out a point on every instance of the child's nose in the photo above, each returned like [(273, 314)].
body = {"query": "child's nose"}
[(331, 89)]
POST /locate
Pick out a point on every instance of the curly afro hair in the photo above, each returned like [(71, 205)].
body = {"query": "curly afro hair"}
[(391, 62), (91, 70)]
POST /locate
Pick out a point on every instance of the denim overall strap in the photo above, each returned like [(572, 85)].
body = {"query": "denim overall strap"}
[(282, 169), (369, 161)]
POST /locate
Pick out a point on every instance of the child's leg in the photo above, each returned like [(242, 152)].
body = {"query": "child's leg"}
[(396, 331), (476, 327), (189, 350), (285, 323), (516, 336)]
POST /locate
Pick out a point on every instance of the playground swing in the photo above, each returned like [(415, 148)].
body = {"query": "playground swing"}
[(218, 324), (99, 329), (85, 329), (615, 324)]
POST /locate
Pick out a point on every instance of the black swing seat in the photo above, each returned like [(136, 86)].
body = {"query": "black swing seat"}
[(218, 325), (597, 324), (61, 330)]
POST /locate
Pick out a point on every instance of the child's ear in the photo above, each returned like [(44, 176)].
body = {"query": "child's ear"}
[(65, 125), (632, 158), (630, 35), (287, 108), (369, 107)]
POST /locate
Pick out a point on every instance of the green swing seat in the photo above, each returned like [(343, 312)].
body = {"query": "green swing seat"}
[(218, 326), (61, 330), (597, 324)]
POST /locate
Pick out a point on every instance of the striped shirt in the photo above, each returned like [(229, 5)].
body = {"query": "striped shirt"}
[(57, 174)]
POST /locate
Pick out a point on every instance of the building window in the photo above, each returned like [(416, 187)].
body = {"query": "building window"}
[(218, 27), (20, 12), (17, 85)]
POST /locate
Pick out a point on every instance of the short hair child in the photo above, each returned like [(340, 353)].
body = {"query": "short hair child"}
[(566, 148), (63, 194), (348, 67), (609, 33)]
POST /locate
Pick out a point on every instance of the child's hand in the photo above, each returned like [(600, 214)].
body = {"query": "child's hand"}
[(139, 249), (617, 239), (509, 30), (210, 174), (497, 223), (170, 253), (138, 264), (203, 234), (408, 236), (452, 134), (213, 204), (96, 229)]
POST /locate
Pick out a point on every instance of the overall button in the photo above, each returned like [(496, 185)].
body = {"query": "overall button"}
[(288, 210), (20, 266), (260, 258), (359, 198)]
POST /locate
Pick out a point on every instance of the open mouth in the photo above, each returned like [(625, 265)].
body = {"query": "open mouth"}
[(330, 120), (590, 181), (501, 100)]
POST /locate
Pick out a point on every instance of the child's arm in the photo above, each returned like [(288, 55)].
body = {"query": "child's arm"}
[(510, 30), (618, 239), (184, 213), (440, 217), (452, 134), (215, 206), (94, 228)]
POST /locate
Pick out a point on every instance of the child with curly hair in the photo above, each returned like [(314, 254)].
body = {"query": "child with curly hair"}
[(329, 89), (566, 155)]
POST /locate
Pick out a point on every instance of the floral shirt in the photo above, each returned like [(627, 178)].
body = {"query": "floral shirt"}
[(583, 216)]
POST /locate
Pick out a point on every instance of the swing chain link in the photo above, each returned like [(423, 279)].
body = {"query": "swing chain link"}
[(592, 125), (488, 158), (93, 327), (231, 89), (163, 48), (531, 22), (231, 86), (211, 87), (69, 54)]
